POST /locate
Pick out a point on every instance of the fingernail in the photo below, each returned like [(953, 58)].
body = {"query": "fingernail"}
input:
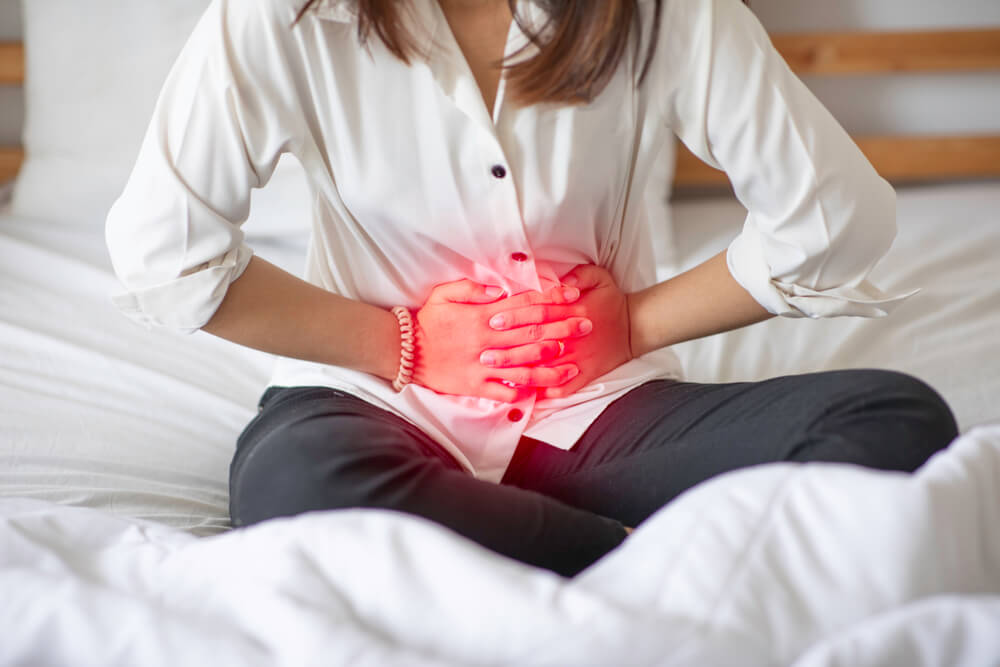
[(569, 280), (498, 321), (487, 359), (570, 293), (586, 326), (573, 372), (493, 291)]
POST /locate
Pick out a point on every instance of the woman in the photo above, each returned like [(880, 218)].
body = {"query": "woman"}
[(479, 339)]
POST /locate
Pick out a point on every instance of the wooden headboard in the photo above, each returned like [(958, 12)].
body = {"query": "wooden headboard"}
[(904, 158), (898, 158), (11, 74)]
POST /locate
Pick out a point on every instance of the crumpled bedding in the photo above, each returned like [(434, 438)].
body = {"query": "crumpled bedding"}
[(810, 565)]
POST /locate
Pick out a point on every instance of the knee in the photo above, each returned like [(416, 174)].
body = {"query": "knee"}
[(915, 415), (293, 470), (914, 399)]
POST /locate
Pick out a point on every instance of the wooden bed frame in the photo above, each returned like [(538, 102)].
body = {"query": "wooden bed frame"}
[(900, 159), (904, 158)]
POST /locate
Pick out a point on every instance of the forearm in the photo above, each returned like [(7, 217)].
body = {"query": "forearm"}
[(702, 301), (269, 309)]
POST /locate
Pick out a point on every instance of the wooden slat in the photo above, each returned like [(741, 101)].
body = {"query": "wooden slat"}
[(11, 63), (806, 53), (10, 162), (873, 52), (904, 159), (911, 159), (691, 172)]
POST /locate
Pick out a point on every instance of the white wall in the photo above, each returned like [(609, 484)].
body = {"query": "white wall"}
[(864, 105)]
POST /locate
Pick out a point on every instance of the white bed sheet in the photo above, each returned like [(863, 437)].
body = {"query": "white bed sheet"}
[(96, 411)]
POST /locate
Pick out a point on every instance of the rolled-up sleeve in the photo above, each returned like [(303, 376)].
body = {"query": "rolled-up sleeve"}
[(224, 116), (819, 216)]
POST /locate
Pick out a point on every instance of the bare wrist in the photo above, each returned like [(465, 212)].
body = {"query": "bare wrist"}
[(383, 346), (636, 347)]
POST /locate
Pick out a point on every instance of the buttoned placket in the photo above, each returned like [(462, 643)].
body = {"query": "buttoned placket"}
[(507, 233)]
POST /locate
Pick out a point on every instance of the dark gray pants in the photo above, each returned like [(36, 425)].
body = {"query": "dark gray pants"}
[(313, 448)]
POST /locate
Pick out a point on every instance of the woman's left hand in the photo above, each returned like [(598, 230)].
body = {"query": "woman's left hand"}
[(606, 347)]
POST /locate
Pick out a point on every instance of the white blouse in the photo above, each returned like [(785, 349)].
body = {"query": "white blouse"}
[(415, 183)]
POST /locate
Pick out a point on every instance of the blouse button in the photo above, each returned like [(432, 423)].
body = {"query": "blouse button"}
[(519, 257), (515, 415), (498, 171)]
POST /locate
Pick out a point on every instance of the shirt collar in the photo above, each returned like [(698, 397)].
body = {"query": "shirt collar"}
[(346, 11), (341, 11)]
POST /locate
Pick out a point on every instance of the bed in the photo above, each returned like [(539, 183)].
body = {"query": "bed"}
[(115, 441)]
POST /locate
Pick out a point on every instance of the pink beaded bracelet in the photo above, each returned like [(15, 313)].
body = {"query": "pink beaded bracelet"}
[(408, 347)]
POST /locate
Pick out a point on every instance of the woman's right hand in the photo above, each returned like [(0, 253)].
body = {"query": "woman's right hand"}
[(453, 331)]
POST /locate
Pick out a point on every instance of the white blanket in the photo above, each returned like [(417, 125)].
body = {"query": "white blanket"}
[(810, 565)]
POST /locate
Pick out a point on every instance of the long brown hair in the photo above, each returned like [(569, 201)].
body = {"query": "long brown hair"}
[(583, 45)]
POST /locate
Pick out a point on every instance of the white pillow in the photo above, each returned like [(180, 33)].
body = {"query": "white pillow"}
[(93, 72)]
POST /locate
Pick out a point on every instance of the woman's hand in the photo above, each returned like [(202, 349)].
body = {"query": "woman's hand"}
[(454, 330), (604, 349)]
